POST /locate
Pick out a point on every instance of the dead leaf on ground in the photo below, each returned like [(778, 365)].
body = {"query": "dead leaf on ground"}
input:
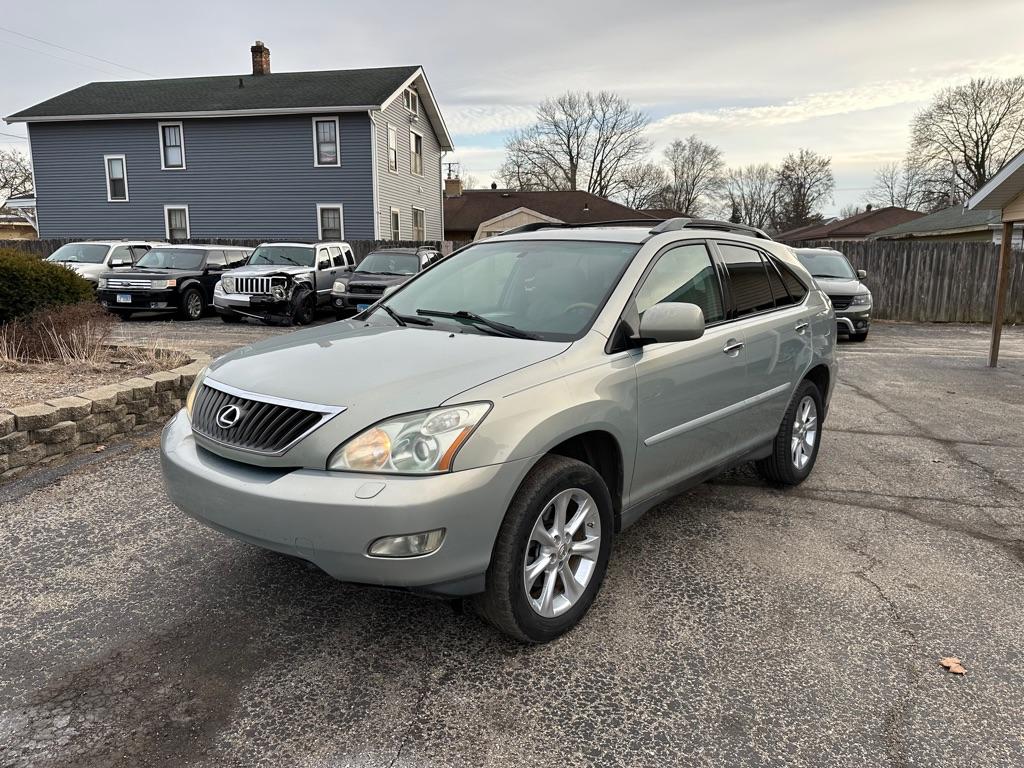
[(953, 664), (99, 449)]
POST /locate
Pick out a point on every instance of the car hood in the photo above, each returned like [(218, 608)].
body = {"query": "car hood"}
[(368, 278), (376, 371), (268, 269), (841, 286), (151, 274)]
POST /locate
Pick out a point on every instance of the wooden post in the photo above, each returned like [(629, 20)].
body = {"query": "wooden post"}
[(999, 305)]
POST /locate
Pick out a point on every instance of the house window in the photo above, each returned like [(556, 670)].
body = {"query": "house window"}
[(392, 148), (172, 147), (176, 222), (330, 222), (412, 101), (117, 178), (396, 224), (419, 226), (326, 151), (416, 153)]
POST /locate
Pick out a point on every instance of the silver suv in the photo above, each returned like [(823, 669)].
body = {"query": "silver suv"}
[(490, 426)]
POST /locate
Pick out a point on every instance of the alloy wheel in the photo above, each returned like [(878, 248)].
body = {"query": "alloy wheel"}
[(194, 306), (805, 432), (561, 555)]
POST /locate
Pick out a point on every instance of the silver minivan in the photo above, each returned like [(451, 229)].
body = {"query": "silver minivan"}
[(489, 427)]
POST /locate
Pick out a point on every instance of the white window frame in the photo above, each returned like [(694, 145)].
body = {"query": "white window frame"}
[(337, 143), (319, 221), (424, 212), (411, 97), (163, 147), (106, 175), (391, 223), (412, 152), (167, 223), (392, 129)]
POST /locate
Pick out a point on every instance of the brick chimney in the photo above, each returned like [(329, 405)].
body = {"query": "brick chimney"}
[(453, 187), (260, 59)]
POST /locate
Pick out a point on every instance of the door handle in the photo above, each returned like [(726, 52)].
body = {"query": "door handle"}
[(732, 346), (801, 327)]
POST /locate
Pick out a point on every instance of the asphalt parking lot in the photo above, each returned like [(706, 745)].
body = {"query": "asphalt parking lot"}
[(738, 625)]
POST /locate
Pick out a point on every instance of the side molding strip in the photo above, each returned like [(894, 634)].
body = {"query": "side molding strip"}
[(715, 415)]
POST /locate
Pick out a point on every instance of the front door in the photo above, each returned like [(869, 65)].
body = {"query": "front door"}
[(325, 274), (688, 391)]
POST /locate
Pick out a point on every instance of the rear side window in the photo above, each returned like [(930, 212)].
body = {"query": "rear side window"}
[(748, 279), (684, 275), (796, 288), (236, 258), (782, 297)]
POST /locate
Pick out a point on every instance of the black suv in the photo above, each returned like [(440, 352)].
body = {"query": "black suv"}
[(170, 278), (381, 270)]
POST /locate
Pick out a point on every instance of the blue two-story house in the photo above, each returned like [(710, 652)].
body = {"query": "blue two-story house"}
[(350, 154)]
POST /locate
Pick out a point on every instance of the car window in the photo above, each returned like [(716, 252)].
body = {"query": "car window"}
[(350, 259), (138, 251), (323, 259), (122, 253), (80, 253), (779, 292), (687, 275), (748, 279), (389, 263), (283, 255), (336, 257), (236, 258), (216, 259), (826, 264), (793, 284)]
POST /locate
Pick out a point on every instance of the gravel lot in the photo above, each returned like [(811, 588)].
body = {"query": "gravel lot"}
[(739, 625)]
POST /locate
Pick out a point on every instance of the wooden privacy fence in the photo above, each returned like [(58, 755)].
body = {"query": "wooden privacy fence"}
[(945, 282)]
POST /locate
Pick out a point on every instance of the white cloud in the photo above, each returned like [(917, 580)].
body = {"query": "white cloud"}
[(478, 119)]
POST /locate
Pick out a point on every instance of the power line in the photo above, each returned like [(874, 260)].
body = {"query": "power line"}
[(62, 58), (72, 50), (14, 136)]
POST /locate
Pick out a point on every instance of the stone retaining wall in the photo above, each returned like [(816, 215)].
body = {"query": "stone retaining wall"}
[(48, 433)]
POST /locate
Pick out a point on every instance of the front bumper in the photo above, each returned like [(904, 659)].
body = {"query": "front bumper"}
[(330, 518), (353, 300), (142, 300), (854, 320), (256, 305)]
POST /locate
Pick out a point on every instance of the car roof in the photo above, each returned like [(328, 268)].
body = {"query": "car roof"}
[(309, 245), (203, 247), (115, 242)]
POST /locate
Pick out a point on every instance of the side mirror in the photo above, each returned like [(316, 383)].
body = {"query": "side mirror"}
[(861, 274), (325, 264), (671, 322), (215, 267)]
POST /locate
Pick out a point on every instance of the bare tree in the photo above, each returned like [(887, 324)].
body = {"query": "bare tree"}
[(903, 185), (580, 141), (643, 186), (848, 210), (750, 195), (696, 174), (15, 173), (804, 182), (968, 133)]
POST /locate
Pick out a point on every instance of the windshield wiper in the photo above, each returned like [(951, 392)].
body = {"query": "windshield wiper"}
[(463, 314), (403, 320), (836, 277)]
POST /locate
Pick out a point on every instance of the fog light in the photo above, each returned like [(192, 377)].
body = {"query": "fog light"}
[(158, 305), (407, 545)]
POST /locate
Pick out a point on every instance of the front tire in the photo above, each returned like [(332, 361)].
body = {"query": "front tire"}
[(795, 448), (303, 307), (551, 553), (192, 304)]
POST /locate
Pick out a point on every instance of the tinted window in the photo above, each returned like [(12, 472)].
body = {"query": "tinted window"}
[(796, 289), (216, 259), (236, 258), (684, 275), (138, 251), (336, 256), (172, 258), (779, 291), (748, 280)]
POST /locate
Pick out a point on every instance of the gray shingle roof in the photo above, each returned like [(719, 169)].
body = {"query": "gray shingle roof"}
[(953, 219), (283, 91)]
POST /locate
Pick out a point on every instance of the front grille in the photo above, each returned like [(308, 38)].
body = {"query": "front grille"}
[(261, 427), (257, 285), (367, 289), (123, 282), (840, 302)]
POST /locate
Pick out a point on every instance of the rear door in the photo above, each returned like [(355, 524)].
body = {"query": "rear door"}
[(776, 333), (216, 263), (688, 391)]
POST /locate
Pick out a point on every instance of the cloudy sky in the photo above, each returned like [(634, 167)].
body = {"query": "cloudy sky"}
[(759, 79)]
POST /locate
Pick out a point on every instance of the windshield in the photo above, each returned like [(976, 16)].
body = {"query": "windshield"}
[(549, 289), (383, 262), (827, 264), (82, 253), (283, 255), (172, 258)]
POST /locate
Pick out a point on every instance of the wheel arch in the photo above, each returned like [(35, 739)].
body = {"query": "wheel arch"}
[(599, 449)]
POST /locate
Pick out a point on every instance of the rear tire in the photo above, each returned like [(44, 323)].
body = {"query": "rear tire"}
[(303, 307), (192, 304), (795, 448), (537, 591), (859, 336)]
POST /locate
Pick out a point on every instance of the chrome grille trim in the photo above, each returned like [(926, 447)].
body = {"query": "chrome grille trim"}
[(257, 285), (123, 282), (271, 426)]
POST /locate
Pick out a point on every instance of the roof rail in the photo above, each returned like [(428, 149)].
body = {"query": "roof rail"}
[(674, 225), (533, 226)]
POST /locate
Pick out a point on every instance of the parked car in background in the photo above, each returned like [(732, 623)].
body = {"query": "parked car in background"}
[(170, 278), (843, 284), (283, 282), (382, 270), (92, 258), (486, 429)]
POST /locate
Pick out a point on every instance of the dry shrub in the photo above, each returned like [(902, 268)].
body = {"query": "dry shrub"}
[(72, 333)]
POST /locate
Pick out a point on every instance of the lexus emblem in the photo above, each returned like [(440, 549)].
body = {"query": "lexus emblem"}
[(228, 416)]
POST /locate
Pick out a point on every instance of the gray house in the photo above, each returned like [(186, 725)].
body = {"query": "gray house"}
[(352, 154)]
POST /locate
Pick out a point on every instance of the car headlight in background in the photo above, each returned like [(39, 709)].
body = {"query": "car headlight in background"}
[(861, 298), (103, 282), (160, 285), (339, 286), (391, 289), (417, 443), (190, 400), (227, 284)]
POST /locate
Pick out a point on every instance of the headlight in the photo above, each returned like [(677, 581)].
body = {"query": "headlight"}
[(159, 285), (391, 289), (227, 283), (339, 286), (861, 298), (418, 443), (103, 282), (191, 398)]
